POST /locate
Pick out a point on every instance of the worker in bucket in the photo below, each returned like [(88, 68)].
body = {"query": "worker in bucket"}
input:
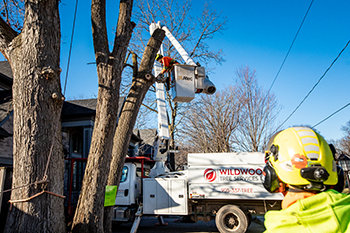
[(168, 64), (300, 164)]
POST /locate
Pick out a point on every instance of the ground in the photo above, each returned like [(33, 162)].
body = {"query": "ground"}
[(148, 225)]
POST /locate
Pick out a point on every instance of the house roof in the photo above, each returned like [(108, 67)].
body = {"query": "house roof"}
[(6, 76), (148, 135), (79, 107), (83, 107), (5, 104), (4, 133), (5, 111), (5, 69)]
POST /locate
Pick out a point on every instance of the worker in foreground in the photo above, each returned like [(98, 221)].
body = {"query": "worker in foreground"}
[(168, 64), (300, 164)]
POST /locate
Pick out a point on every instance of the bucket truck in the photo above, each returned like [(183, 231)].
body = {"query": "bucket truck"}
[(226, 187)]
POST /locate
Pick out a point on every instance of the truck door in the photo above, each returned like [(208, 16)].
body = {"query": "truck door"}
[(123, 194)]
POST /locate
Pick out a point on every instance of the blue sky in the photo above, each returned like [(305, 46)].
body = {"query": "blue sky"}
[(259, 34)]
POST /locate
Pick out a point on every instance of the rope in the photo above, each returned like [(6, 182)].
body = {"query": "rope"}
[(45, 180), (53, 142), (34, 196), (38, 182), (64, 91)]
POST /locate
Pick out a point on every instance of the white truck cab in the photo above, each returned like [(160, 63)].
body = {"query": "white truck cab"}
[(130, 185), (129, 194)]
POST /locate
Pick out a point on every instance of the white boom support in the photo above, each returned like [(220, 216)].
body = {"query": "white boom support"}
[(178, 47), (199, 79)]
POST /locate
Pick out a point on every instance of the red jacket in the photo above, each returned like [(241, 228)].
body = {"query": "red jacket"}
[(168, 63)]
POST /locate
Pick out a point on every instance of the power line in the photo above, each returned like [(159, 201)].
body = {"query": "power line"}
[(70, 47), (295, 37), (285, 58), (315, 85), (331, 115)]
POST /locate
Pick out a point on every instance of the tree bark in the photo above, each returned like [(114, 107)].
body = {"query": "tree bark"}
[(138, 90), (89, 213), (34, 56)]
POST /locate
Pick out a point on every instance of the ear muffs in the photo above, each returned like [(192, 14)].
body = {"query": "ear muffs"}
[(271, 182)]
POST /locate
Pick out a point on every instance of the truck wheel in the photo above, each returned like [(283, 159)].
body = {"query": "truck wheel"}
[(231, 218)]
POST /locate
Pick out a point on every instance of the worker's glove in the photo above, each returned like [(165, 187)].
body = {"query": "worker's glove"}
[(160, 78)]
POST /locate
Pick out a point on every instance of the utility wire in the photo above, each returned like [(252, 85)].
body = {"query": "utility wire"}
[(295, 37), (70, 47), (285, 58), (331, 115), (315, 85)]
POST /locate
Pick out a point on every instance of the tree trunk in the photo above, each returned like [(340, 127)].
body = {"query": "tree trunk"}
[(139, 88), (34, 57), (89, 213)]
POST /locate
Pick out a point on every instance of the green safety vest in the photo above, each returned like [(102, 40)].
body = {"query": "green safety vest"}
[(326, 212)]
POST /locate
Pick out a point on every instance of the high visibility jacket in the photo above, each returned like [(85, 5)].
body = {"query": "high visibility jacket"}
[(292, 197), (326, 212), (168, 63)]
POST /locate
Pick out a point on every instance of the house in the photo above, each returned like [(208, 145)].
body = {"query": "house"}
[(149, 138), (77, 118), (6, 125), (6, 144)]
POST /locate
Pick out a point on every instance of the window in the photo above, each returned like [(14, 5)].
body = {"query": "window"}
[(78, 174), (145, 172), (77, 143), (124, 174)]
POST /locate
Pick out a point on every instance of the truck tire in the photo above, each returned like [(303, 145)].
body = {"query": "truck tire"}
[(230, 218)]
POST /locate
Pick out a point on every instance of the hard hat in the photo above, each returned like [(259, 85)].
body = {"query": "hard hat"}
[(299, 157), (159, 56)]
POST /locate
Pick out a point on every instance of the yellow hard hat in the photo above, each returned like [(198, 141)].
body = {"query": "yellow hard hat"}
[(300, 157), (159, 56)]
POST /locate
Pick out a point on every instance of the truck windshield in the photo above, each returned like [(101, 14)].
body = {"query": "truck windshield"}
[(124, 174)]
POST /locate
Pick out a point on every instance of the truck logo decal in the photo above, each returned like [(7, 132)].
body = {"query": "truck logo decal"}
[(185, 78), (241, 171), (209, 174)]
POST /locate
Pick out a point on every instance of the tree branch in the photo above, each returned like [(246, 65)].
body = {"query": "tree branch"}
[(149, 108), (124, 28), (99, 30), (7, 34)]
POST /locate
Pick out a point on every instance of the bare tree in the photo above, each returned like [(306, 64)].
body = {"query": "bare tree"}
[(34, 55), (343, 144), (141, 82), (211, 122), (89, 213), (192, 34), (89, 216), (258, 113), (12, 12)]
